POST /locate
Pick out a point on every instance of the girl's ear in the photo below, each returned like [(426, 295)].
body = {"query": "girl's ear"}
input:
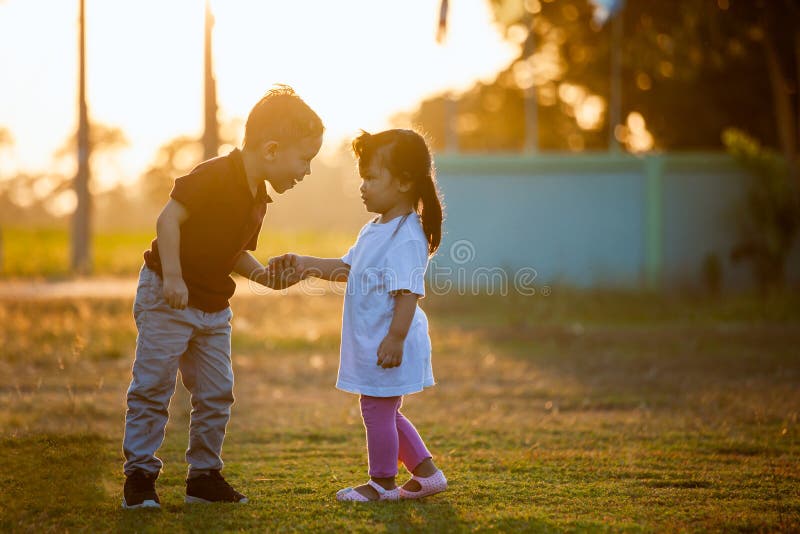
[(269, 150), (404, 183)]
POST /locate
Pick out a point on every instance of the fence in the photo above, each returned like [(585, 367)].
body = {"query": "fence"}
[(591, 220)]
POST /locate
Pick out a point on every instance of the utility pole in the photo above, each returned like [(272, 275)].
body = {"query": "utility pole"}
[(81, 257), (615, 90), (450, 101), (211, 128), (529, 95)]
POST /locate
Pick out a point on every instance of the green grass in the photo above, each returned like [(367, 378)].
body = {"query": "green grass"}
[(574, 412), (45, 252)]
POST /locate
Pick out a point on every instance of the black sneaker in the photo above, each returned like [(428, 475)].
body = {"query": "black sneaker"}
[(211, 488), (140, 491)]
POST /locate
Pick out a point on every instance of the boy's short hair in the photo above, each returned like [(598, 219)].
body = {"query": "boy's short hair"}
[(280, 115)]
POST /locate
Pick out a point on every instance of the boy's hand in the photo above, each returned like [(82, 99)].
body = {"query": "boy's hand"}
[(175, 292), (390, 351), (286, 270)]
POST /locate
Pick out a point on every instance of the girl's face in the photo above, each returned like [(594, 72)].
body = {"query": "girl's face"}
[(380, 191)]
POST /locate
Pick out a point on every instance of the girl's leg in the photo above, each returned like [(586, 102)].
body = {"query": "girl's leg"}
[(412, 449), (413, 452), (382, 439), (378, 414)]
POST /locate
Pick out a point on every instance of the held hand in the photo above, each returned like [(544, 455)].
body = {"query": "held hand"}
[(390, 351), (285, 270), (175, 292)]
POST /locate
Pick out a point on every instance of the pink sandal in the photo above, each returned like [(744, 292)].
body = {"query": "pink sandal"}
[(350, 494), (436, 483)]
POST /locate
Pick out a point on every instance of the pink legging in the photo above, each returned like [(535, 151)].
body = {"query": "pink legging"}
[(390, 436)]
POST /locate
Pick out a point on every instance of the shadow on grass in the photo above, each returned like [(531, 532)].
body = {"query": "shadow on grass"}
[(658, 366), (435, 514), (438, 514), (52, 481), (297, 514)]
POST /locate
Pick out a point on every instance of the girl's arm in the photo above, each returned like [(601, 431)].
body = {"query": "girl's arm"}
[(390, 351), (332, 269)]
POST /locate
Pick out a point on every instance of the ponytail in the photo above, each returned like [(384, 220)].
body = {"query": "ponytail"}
[(430, 212)]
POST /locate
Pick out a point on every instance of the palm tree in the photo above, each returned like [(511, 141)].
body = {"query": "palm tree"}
[(81, 262), (211, 130)]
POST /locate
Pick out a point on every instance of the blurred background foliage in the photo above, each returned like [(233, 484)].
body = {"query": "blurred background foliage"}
[(690, 70), (768, 217)]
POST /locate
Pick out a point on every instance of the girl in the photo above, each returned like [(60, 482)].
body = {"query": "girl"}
[(385, 347)]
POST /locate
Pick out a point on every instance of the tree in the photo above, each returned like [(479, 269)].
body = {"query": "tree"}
[(46, 198), (102, 138), (177, 157), (81, 256), (563, 62), (691, 68), (104, 141), (741, 57), (173, 159), (6, 139), (767, 218)]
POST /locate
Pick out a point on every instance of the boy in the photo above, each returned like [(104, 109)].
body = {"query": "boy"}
[(181, 309)]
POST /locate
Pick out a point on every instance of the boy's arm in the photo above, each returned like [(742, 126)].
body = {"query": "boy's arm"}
[(251, 268), (168, 233), (332, 269), (390, 351)]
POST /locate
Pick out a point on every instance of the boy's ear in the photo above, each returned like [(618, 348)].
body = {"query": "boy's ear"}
[(269, 150)]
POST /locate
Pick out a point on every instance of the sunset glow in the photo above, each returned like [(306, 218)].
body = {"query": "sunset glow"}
[(357, 63)]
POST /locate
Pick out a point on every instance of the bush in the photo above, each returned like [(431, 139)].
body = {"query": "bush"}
[(769, 217)]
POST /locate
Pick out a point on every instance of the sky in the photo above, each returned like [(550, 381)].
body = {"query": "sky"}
[(356, 62)]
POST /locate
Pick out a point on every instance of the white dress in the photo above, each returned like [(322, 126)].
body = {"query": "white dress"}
[(385, 258)]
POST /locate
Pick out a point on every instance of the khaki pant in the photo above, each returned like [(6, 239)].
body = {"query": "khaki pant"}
[(197, 343)]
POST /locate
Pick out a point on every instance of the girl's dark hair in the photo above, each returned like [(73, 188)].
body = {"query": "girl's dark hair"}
[(280, 115), (407, 157)]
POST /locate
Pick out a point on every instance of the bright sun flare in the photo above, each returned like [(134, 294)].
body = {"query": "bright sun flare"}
[(356, 62)]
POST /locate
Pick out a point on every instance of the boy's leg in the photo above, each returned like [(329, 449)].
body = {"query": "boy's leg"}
[(163, 337), (207, 373), (412, 449), (382, 439)]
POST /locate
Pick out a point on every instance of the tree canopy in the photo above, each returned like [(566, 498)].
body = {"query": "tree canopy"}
[(690, 69)]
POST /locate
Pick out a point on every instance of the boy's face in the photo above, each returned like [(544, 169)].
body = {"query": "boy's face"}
[(286, 164)]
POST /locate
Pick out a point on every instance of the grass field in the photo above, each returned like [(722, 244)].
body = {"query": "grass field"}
[(577, 411), (45, 252)]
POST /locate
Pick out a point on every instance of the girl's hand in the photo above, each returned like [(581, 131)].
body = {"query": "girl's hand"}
[(390, 351)]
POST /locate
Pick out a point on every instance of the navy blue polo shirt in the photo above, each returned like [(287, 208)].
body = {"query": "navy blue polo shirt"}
[(224, 221)]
